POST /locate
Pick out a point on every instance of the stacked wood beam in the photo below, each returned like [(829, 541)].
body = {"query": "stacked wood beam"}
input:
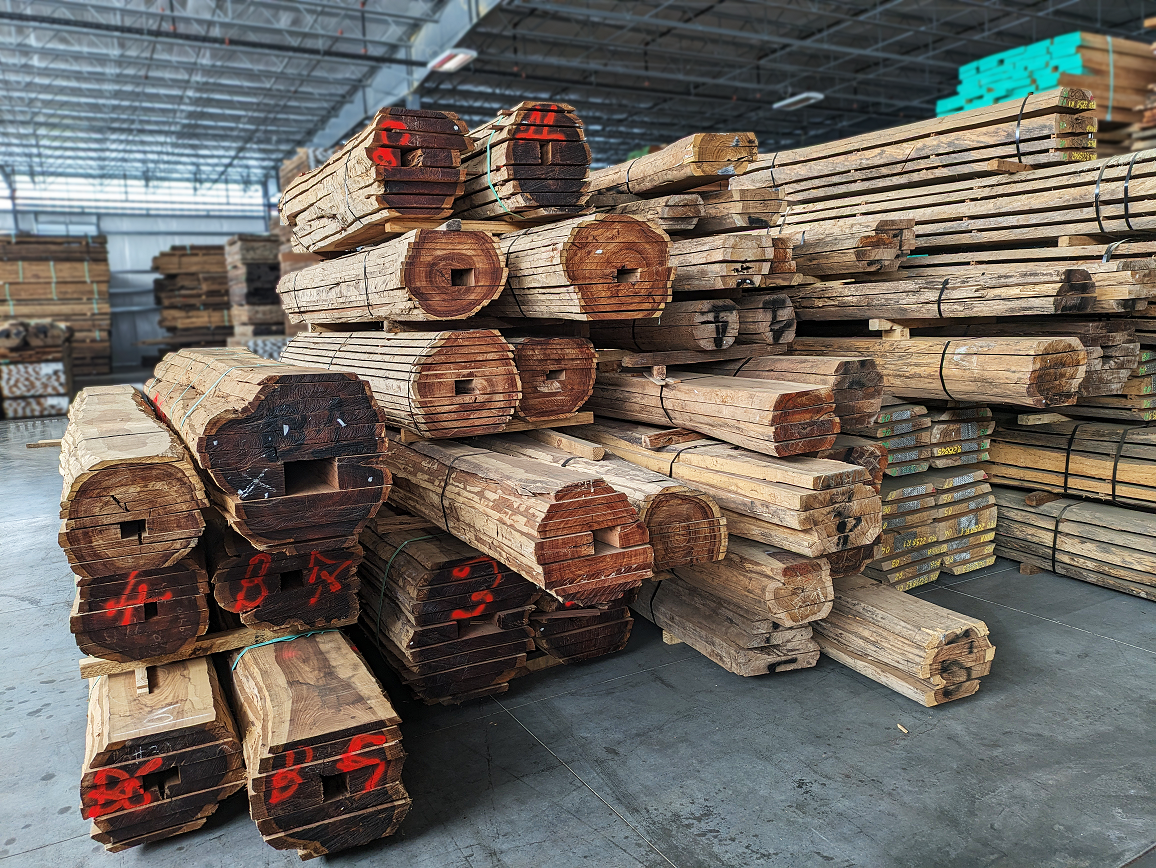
[(35, 368), (573, 634), (253, 271), (676, 212), (556, 375), (690, 162), (193, 295)]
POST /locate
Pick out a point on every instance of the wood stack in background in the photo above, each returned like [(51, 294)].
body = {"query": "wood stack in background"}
[(158, 759), (253, 271), (35, 368), (65, 279), (322, 749), (193, 295)]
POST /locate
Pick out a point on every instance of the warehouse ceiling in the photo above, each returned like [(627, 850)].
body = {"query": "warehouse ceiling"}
[(207, 90)]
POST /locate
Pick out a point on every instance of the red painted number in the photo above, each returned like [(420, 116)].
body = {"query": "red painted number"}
[(390, 157), (253, 590), (394, 132), (328, 579), (286, 781), (117, 790), (350, 762), (134, 595), (539, 125), (480, 597)]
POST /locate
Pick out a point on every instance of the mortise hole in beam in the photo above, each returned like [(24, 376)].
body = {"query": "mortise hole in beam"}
[(556, 375), (292, 579), (132, 529), (150, 610), (627, 275), (465, 387), (334, 787), (461, 277)]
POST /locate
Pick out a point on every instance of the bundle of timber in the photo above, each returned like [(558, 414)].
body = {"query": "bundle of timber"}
[(452, 622), (766, 318), (736, 261), (854, 381), (306, 587), (304, 160), (852, 248), (732, 210), (1104, 545), (918, 649), (735, 633), (193, 295), (435, 384), (556, 374), (1045, 129), (65, 279), (1032, 372), (690, 162), (292, 453), (530, 162), (35, 368), (426, 274), (775, 417), (710, 324), (322, 749), (131, 505), (916, 439), (676, 212), (405, 165), (685, 525), (1099, 460), (288, 259), (158, 757), (567, 531), (595, 267), (933, 521), (253, 272), (572, 634), (810, 506)]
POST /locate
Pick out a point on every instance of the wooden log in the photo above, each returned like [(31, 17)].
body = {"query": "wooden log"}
[(920, 650), (573, 635), (160, 753), (426, 274), (677, 212), (736, 211), (556, 374), (710, 324), (292, 453), (766, 318), (132, 498), (732, 261), (603, 266), (436, 384), (690, 162), (322, 748)]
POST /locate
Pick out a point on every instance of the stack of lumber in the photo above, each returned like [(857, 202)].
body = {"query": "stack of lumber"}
[(596, 267), (291, 454), (1117, 70), (1092, 459), (923, 651), (452, 622), (321, 742), (193, 295), (1104, 545), (685, 525), (730, 210), (435, 384), (1028, 371), (35, 368), (933, 521), (852, 248), (307, 587), (733, 632), (916, 438), (253, 271), (690, 162), (65, 279), (426, 274), (290, 260), (1047, 129), (854, 381), (567, 531), (158, 758), (572, 634), (710, 324), (529, 162), (676, 212), (131, 508), (405, 165), (766, 318), (736, 261), (775, 417), (809, 506), (556, 374)]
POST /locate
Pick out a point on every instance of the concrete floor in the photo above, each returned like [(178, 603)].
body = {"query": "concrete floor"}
[(657, 757)]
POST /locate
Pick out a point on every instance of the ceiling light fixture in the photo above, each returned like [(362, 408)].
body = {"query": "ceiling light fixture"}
[(798, 101), (451, 60)]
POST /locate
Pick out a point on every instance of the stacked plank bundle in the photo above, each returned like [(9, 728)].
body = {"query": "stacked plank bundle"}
[(35, 368), (131, 506), (406, 165), (916, 438), (193, 295), (925, 652), (573, 634), (322, 749), (452, 622), (64, 279), (1092, 542), (253, 271), (158, 757), (529, 163)]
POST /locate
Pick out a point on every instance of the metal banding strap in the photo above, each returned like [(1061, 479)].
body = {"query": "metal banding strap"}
[(1111, 248), (385, 577), (630, 166), (1096, 191), (662, 404), (364, 280), (205, 394), (942, 382), (8, 298), (445, 485), (1056, 531), (1020, 117), (939, 300), (525, 233), (674, 458), (1068, 452), (1127, 180), (1116, 458), (489, 175), (771, 169), (743, 365)]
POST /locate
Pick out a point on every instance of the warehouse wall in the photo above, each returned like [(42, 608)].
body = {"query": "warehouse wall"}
[(133, 240)]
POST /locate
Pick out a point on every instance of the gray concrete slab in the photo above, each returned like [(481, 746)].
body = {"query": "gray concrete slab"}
[(657, 757)]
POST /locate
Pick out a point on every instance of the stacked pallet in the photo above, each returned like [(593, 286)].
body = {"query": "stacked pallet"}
[(530, 162), (158, 759), (65, 279), (925, 652), (253, 271), (322, 749), (405, 165), (452, 622), (131, 505), (35, 368), (573, 634), (1104, 545), (193, 295)]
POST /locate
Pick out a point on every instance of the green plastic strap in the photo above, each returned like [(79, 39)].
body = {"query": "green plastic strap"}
[(8, 296), (233, 668), (489, 177), (384, 576), (1111, 79)]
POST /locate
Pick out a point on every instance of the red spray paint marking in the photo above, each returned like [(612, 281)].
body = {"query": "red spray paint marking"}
[(480, 597), (539, 125), (134, 595), (349, 762), (329, 579), (117, 790), (287, 780), (394, 132), (254, 581), (390, 157)]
